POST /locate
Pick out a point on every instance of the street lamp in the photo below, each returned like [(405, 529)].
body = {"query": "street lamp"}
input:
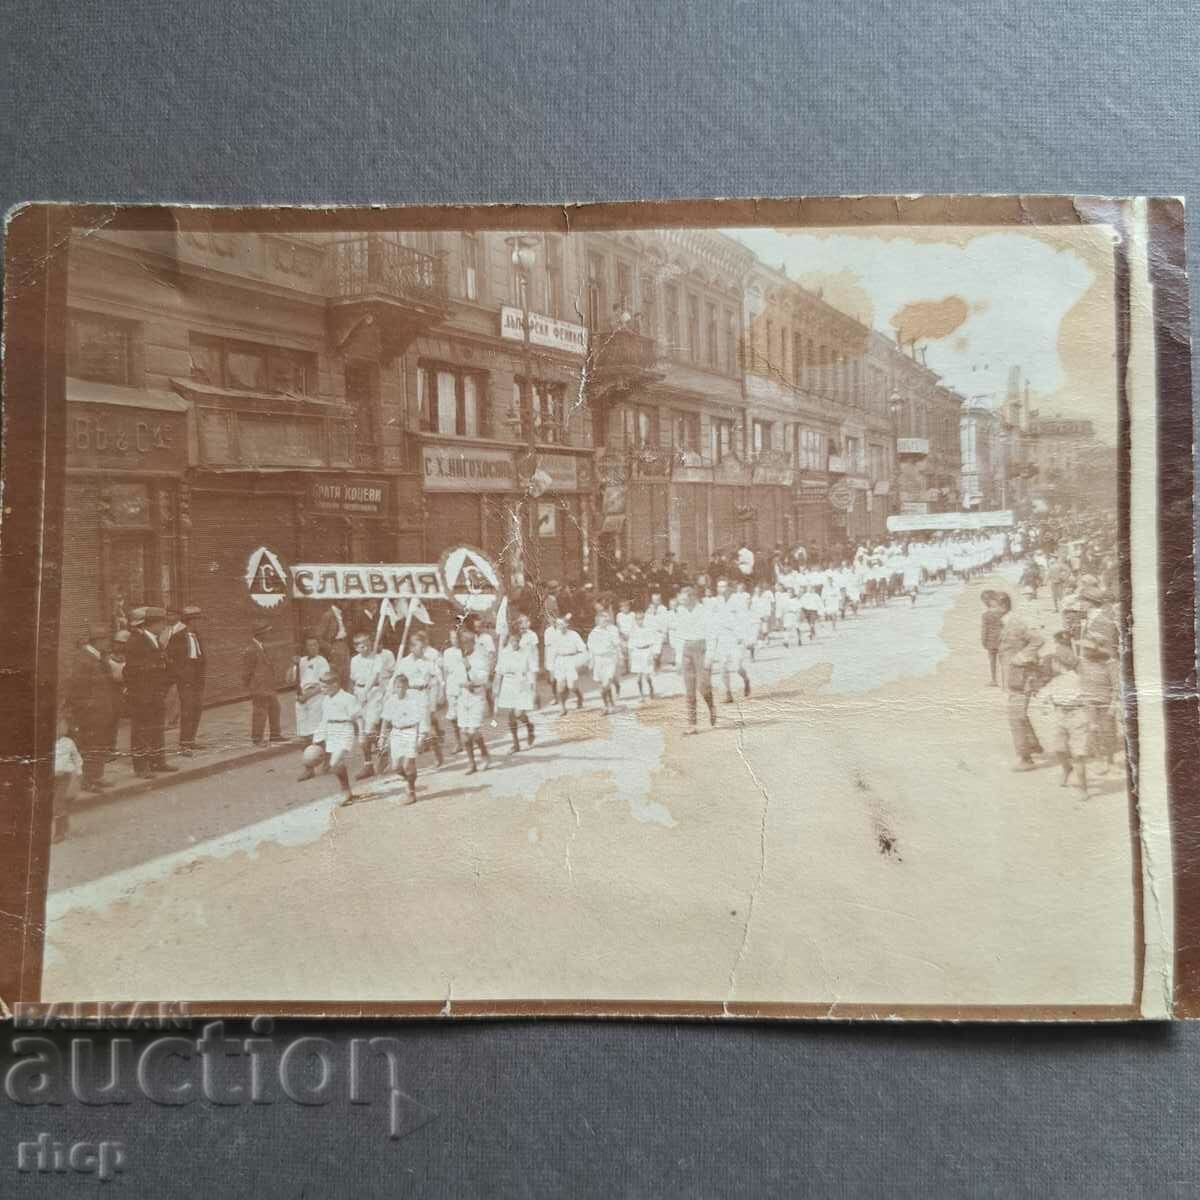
[(524, 259), (895, 406)]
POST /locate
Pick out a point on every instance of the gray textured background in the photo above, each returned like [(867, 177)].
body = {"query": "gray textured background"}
[(344, 100)]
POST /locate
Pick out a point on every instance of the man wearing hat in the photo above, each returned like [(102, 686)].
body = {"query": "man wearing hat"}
[(1019, 646), (146, 688), (115, 662), (90, 706), (258, 678), (185, 655)]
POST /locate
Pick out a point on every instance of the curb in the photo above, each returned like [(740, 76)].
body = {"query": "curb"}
[(137, 787)]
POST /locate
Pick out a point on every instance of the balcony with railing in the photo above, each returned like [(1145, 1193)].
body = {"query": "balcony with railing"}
[(383, 294), (622, 358)]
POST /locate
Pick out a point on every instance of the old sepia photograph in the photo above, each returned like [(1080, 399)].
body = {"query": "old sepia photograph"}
[(669, 611)]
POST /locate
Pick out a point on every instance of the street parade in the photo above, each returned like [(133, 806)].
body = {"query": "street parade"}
[(374, 698)]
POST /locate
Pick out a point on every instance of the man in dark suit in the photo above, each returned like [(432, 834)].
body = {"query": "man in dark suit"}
[(90, 706), (146, 689), (258, 678), (185, 656)]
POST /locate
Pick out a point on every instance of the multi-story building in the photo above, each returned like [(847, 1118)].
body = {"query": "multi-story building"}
[(380, 397), (979, 425), (1016, 459), (1073, 467), (334, 397), (672, 427), (928, 441)]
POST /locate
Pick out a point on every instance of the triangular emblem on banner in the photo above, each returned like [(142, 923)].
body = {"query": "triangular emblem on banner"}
[(472, 580), (265, 578)]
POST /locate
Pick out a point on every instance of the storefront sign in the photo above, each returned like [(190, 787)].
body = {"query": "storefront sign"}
[(883, 487), (468, 469), (912, 445), (837, 464), (914, 506), (840, 496), (543, 331), (562, 470), (859, 485), (349, 496), (133, 439)]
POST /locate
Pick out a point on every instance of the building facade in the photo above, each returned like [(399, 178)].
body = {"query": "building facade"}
[(979, 426), (672, 427), (561, 402)]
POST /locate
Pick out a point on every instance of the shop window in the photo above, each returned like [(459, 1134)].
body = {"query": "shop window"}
[(250, 367), (761, 431), (100, 348)]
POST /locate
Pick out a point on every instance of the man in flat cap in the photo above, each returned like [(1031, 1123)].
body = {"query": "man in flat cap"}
[(185, 653), (146, 688), (258, 678), (90, 706)]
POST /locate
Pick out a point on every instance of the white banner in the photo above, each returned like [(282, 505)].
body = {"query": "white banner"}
[(913, 522)]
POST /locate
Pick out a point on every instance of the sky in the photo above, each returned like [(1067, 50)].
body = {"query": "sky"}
[(1038, 299)]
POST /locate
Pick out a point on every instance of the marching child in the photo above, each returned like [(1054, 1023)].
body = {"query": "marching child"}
[(810, 606), (403, 713), (604, 646), (565, 654), (473, 699), (515, 676), (643, 646), (339, 732)]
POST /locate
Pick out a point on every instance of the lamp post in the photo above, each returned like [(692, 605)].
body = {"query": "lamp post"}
[(895, 405), (523, 260)]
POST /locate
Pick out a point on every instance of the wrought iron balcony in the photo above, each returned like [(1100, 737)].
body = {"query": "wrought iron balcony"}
[(373, 264), (384, 294), (622, 349)]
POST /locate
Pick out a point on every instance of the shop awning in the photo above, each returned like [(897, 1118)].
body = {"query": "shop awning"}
[(613, 525), (85, 391)]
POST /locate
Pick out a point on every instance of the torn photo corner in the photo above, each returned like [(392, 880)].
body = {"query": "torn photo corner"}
[(766, 608)]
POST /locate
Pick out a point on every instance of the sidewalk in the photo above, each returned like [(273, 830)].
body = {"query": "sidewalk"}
[(225, 743)]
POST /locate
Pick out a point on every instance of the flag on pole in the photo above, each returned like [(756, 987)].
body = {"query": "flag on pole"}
[(419, 611), (502, 623), (387, 612)]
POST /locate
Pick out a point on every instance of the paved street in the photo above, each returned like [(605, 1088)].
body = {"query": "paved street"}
[(852, 832)]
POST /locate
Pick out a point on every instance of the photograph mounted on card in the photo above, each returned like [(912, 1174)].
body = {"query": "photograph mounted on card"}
[(721, 608)]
